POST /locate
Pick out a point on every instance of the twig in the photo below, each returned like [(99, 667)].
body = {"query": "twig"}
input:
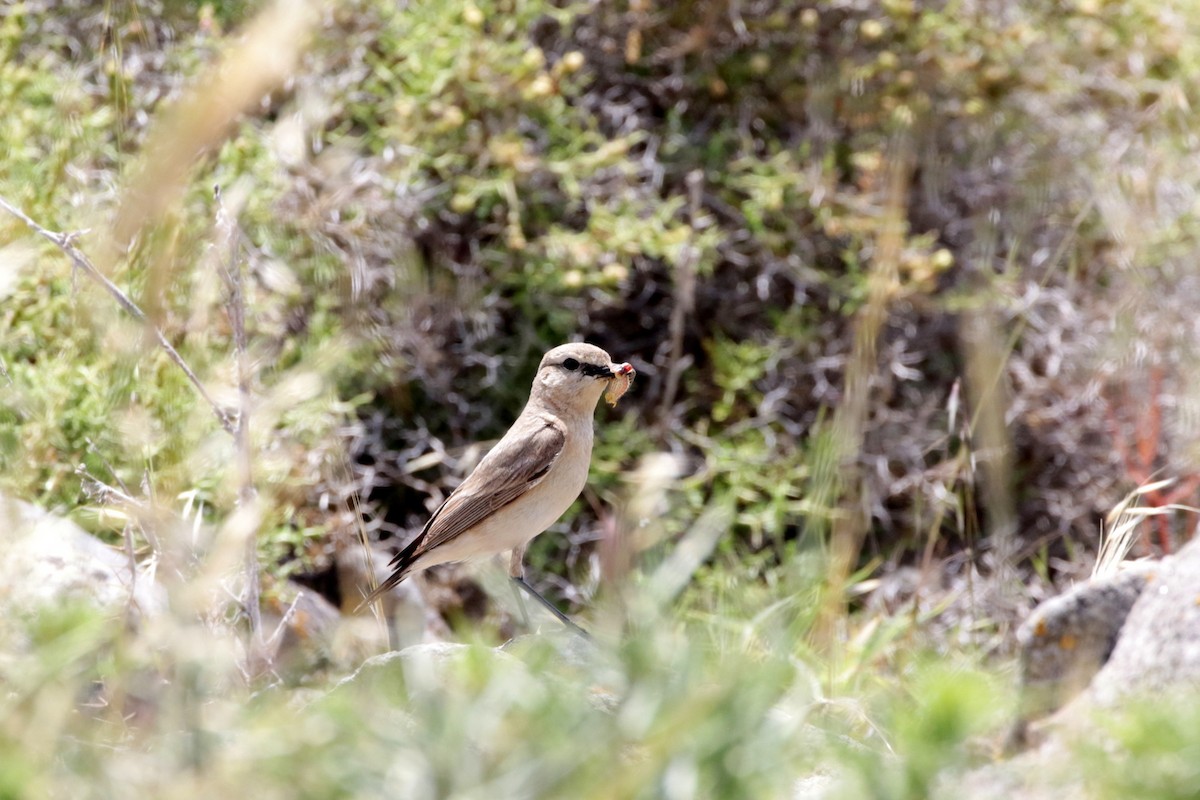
[(231, 236), (126, 532), (125, 496), (685, 298), (377, 608), (276, 640), (65, 242), (837, 479)]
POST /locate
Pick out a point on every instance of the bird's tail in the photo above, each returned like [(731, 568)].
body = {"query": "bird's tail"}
[(402, 562)]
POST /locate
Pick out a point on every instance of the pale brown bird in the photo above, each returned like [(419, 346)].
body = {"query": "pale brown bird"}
[(532, 475)]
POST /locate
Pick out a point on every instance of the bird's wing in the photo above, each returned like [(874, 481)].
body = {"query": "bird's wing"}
[(513, 467)]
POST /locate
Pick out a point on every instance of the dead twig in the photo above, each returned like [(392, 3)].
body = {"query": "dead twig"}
[(838, 479), (685, 302), (230, 237), (66, 243), (124, 496)]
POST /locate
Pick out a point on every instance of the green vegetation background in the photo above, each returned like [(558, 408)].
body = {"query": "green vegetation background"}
[(899, 278)]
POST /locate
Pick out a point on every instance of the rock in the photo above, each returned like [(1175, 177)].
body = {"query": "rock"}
[(303, 628), (1067, 639), (1152, 610), (47, 560), (571, 648), (1108, 643), (394, 676), (1158, 651), (1045, 773), (409, 618)]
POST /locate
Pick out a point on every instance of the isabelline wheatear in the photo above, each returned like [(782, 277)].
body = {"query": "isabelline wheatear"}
[(529, 478)]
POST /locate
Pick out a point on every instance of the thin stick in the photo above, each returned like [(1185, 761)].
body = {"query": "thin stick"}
[(228, 230), (125, 496), (361, 531), (685, 299), (126, 533), (65, 242), (838, 477)]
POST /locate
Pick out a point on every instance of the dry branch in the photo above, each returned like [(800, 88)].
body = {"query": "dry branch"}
[(65, 242), (230, 237)]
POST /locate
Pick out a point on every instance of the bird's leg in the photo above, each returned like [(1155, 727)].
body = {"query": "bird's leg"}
[(516, 570), (563, 618)]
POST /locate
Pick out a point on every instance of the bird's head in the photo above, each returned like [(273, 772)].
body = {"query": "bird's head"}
[(575, 375)]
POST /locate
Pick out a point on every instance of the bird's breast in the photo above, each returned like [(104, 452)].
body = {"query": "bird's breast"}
[(540, 507)]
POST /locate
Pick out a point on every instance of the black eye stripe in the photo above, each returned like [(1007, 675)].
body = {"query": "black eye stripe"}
[(591, 370), (596, 371)]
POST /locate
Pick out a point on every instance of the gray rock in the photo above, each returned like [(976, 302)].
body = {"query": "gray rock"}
[(424, 667), (303, 630), (570, 647), (1045, 773), (1159, 647), (47, 560), (409, 618), (1121, 640), (1067, 639)]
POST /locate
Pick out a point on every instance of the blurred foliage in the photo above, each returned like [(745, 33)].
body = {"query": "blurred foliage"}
[(443, 191), (663, 713), (1156, 748), (446, 190)]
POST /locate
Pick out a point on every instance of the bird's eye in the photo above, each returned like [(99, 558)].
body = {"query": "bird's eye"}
[(571, 364)]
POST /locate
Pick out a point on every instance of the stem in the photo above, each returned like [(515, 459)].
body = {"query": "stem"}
[(228, 229), (64, 242)]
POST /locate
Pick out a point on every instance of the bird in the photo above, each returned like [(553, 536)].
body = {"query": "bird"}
[(531, 476)]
